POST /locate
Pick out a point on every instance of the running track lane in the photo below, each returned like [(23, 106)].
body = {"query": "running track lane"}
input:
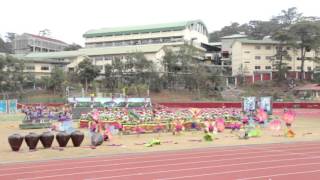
[(273, 161)]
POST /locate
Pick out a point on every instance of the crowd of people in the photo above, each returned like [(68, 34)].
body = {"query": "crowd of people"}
[(40, 114)]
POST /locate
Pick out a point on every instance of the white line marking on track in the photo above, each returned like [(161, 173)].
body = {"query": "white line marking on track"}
[(160, 160), (200, 151), (141, 167), (246, 147), (282, 174), (228, 172)]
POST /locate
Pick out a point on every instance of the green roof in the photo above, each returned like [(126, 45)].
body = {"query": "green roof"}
[(94, 52), (139, 29), (48, 55), (121, 49), (250, 41)]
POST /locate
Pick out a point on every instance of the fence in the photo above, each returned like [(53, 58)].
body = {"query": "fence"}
[(307, 105)]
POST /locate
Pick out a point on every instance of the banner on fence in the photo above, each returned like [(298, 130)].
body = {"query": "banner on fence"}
[(3, 106), (266, 104), (8, 106), (12, 105), (249, 104)]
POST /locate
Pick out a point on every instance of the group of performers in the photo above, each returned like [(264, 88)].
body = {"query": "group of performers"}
[(212, 121)]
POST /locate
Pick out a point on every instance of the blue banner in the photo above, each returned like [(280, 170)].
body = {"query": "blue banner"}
[(3, 106), (12, 105)]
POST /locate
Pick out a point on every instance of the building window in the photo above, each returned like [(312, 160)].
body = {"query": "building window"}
[(298, 67), (289, 67), (44, 68), (126, 43), (257, 47), (166, 40), (225, 54), (309, 68), (145, 41), (31, 68), (268, 67), (99, 44), (257, 57), (118, 43), (268, 47), (107, 44), (136, 42), (155, 41), (71, 69), (108, 57), (98, 58), (268, 57), (257, 67)]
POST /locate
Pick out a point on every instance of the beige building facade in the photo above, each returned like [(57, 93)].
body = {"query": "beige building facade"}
[(102, 46), (255, 59)]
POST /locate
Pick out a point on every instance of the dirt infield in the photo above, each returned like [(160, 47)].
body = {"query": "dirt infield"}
[(306, 126)]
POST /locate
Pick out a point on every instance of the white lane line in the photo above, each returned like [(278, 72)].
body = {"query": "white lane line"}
[(265, 151), (112, 159), (159, 154), (228, 172), (150, 161), (202, 151), (214, 161), (283, 174)]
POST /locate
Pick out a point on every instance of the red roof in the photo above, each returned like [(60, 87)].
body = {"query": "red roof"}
[(314, 87), (46, 38)]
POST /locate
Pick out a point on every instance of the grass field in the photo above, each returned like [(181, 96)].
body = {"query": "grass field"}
[(306, 127)]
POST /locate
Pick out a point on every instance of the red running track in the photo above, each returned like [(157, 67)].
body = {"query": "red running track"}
[(288, 161)]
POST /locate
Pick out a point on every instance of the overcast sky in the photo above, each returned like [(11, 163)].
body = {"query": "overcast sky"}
[(69, 19)]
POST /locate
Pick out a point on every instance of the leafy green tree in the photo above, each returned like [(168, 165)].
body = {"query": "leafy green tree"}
[(288, 17), (307, 37), (72, 47), (4, 48), (260, 29), (282, 55), (233, 28), (57, 80), (87, 72), (11, 74)]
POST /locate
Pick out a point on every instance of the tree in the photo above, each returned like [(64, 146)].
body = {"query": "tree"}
[(11, 74), (87, 72), (288, 17), (56, 80), (307, 38), (260, 29), (234, 28), (72, 47), (142, 68), (4, 46), (257, 29), (284, 39)]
